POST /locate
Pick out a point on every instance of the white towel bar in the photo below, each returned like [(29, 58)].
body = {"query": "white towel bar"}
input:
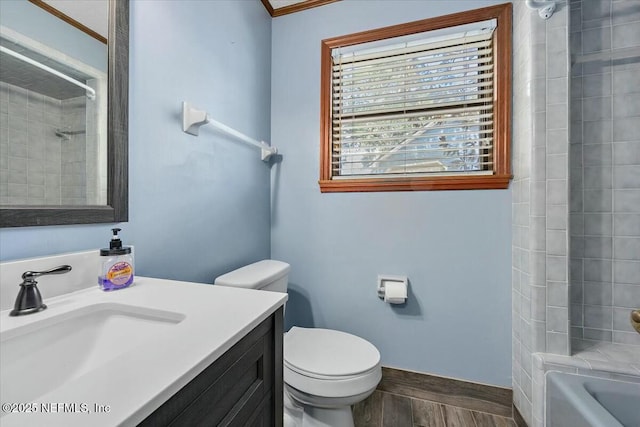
[(192, 119)]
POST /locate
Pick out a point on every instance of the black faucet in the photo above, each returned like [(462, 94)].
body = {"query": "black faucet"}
[(29, 299)]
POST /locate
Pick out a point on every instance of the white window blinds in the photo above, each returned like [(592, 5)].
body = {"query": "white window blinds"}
[(421, 108)]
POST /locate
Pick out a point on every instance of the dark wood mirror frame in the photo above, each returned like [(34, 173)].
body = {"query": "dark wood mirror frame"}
[(117, 208)]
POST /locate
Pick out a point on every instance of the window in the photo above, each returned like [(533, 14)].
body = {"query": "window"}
[(419, 106)]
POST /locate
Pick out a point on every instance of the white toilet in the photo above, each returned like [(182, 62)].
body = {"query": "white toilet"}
[(325, 371)]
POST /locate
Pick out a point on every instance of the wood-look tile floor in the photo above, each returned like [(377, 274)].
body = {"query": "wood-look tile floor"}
[(383, 409)]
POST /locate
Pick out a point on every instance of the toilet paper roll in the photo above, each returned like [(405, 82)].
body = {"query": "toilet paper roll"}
[(395, 292)]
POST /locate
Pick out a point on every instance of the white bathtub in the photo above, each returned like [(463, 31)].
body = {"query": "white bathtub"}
[(582, 401)]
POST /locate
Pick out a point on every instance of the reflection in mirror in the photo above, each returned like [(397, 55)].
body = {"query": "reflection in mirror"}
[(56, 122), (63, 120)]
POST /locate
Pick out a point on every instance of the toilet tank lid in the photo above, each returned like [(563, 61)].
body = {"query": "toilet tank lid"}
[(256, 275)]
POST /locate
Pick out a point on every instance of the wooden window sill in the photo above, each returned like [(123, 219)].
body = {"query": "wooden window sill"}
[(494, 182)]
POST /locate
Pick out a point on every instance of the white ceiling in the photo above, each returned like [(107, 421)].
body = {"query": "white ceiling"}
[(276, 4), (94, 13), (90, 13)]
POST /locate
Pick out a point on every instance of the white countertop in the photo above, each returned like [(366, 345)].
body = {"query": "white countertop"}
[(141, 379)]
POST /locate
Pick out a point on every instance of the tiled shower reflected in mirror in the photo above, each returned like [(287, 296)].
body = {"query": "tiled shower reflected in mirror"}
[(51, 142)]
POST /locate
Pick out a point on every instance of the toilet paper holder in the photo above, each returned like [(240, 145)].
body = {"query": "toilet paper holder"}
[(399, 286)]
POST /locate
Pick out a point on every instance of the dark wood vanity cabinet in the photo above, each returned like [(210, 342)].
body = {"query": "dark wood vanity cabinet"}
[(242, 388)]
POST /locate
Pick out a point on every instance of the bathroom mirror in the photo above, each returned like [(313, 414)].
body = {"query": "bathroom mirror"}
[(106, 103)]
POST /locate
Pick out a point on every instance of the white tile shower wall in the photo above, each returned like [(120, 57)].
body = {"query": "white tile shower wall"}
[(4, 143), (38, 167), (556, 177), (73, 181), (540, 198), (30, 150), (602, 189), (523, 123), (605, 172), (92, 152)]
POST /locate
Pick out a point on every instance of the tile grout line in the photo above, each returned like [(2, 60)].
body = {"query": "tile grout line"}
[(382, 409), (411, 409), (473, 417)]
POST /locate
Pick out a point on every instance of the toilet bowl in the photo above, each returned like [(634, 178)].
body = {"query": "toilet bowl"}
[(325, 371)]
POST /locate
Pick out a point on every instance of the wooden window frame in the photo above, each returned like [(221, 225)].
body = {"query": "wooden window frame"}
[(502, 106)]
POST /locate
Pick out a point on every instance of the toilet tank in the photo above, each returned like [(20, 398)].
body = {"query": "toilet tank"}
[(267, 275)]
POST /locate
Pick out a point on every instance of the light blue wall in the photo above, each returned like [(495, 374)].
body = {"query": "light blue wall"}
[(37, 24), (455, 246), (198, 206)]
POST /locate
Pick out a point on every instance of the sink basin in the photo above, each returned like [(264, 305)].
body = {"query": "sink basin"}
[(42, 355)]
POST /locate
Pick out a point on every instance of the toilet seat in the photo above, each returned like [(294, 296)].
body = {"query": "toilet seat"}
[(328, 363)]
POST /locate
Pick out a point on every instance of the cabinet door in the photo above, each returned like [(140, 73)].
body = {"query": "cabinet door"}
[(242, 388)]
